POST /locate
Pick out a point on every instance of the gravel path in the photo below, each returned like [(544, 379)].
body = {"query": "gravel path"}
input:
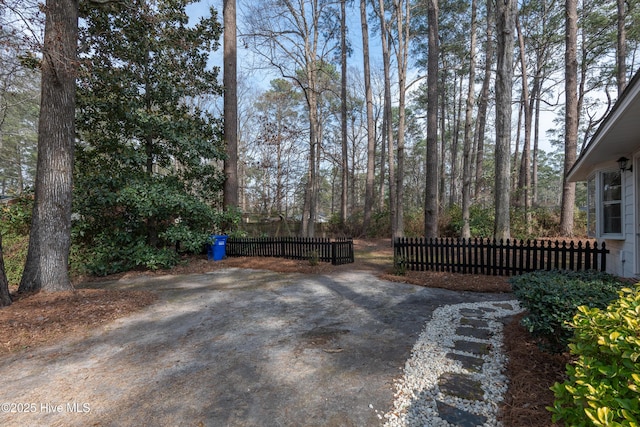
[(455, 376), (235, 347)]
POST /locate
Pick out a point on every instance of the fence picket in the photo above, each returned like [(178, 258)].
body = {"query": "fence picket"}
[(490, 257), (298, 248)]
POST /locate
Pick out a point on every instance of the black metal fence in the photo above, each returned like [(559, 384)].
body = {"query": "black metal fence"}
[(498, 258), (337, 252)]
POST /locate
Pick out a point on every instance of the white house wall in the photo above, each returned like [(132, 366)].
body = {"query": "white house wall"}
[(617, 136), (622, 260)]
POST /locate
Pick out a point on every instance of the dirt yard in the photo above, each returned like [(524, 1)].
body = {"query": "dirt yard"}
[(33, 321)]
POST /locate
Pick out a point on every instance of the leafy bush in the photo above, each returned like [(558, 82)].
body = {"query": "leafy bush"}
[(112, 255), (16, 218), (144, 223), (14, 248), (553, 297), (481, 220), (15, 222), (379, 226), (399, 265), (414, 222), (314, 258), (603, 388)]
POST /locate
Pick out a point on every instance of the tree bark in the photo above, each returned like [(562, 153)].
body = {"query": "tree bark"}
[(621, 66), (506, 14), (524, 176), (466, 150), (483, 102), (455, 139), (46, 267), (402, 22), (343, 113), (432, 162), (388, 113), (571, 115), (230, 192), (371, 141), (5, 296)]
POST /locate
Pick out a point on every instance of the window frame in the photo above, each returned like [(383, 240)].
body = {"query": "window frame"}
[(600, 200)]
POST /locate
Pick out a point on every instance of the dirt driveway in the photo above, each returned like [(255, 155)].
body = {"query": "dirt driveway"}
[(234, 347)]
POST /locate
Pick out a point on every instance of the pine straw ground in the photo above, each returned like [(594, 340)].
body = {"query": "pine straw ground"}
[(36, 320)]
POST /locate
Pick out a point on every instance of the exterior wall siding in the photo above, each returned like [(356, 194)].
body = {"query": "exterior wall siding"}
[(622, 259)]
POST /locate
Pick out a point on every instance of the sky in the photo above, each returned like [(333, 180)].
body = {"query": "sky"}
[(261, 80)]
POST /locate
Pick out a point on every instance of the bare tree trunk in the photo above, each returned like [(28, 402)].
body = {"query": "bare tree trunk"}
[(5, 296), (230, 192), (484, 101), (516, 153), (343, 112), (455, 132), (310, 194), (443, 95), (371, 142), (402, 54), (536, 143), (506, 13), (315, 192), (279, 172), (621, 66), (388, 114), (383, 157), (571, 116), (432, 163), (47, 262), (524, 178), (468, 142), (306, 205)]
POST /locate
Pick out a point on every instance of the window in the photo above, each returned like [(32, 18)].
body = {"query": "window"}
[(604, 205), (611, 202)]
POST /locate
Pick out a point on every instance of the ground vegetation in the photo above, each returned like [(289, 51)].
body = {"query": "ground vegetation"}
[(531, 370)]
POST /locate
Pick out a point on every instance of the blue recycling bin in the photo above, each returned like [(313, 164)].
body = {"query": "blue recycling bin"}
[(218, 248)]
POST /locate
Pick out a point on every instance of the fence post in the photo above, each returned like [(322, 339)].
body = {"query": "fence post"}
[(334, 249), (580, 254), (604, 253)]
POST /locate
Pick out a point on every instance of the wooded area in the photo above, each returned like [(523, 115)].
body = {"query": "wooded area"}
[(389, 117), (509, 61)]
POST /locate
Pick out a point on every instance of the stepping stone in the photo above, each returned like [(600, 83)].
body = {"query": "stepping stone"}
[(467, 331), (471, 347), (504, 305), (471, 312), (469, 363), (459, 417), (460, 385), (478, 323)]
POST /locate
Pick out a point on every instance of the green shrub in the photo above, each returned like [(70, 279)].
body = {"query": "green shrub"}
[(414, 223), (145, 223), (380, 224), (314, 258), (399, 265), (603, 388), (112, 255), (16, 218), (553, 297), (14, 249), (15, 223), (481, 220)]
